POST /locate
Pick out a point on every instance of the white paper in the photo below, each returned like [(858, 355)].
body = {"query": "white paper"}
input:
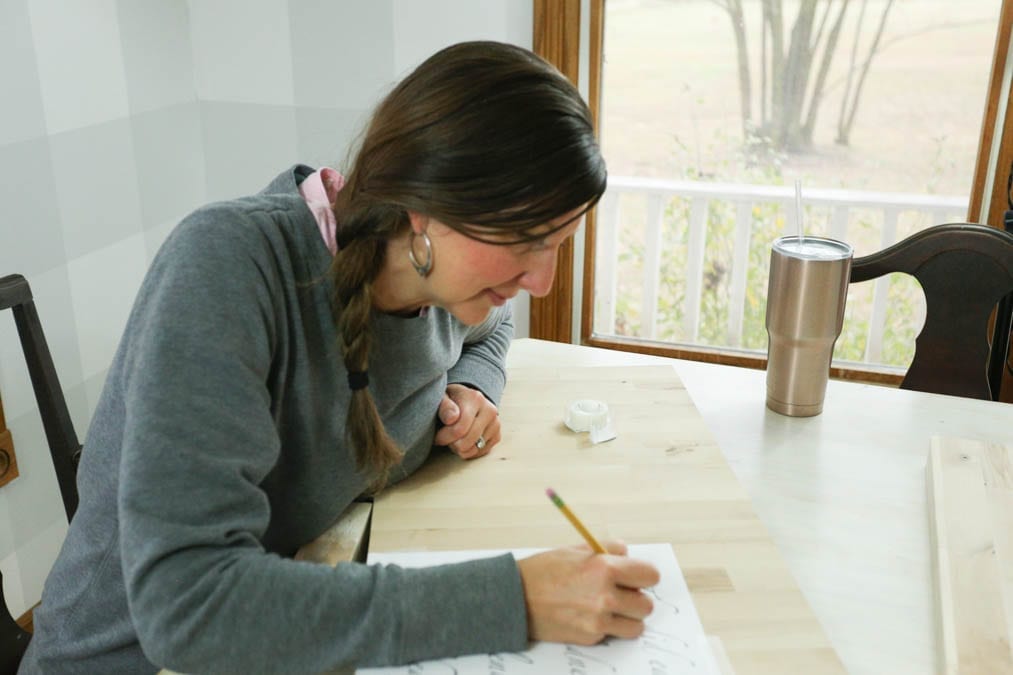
[(672, 644)]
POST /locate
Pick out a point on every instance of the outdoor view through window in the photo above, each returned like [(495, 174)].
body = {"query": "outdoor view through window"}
[(710, 111)]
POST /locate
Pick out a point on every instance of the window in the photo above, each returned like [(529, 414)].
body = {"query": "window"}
[(711, 109)]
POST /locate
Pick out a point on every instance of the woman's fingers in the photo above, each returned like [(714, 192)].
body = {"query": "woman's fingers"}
[(632, 604), (449, 412), (575, 596), (613, 546), (624, 627), (476, 428), (632, 573), (470, 450)]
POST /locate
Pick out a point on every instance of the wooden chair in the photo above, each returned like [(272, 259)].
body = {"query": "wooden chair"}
[(965, 270), (64, 448)]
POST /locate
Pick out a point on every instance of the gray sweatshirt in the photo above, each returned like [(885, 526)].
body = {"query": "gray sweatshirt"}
[(218, 448)]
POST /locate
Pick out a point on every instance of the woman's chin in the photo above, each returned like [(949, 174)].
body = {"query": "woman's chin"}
[(471, 313)]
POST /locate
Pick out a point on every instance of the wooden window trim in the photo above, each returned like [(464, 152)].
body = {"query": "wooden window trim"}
[(557, 40), (998, 196), (557, 37)]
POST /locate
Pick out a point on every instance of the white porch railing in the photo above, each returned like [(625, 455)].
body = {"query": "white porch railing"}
[(653, 197)]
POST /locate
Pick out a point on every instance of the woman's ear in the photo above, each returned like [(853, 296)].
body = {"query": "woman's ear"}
[(419, 221)]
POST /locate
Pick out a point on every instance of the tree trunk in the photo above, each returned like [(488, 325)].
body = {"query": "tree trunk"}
[(852, 61), (774, 23), (796, 78), (821, 75), (844, 127), (764, 59), (734, 8), (823, 24)]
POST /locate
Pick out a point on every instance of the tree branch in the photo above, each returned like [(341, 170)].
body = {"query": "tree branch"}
[(841, 136), (865, 71), (821, 76), (774, 22), (823, 22)]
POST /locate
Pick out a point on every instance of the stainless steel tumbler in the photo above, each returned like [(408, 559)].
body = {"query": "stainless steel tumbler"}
[(805, 312)]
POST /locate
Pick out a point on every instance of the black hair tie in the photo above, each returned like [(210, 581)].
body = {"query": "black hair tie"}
[(358, 379)]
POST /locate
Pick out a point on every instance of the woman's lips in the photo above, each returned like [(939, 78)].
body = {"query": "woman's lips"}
[(496, 298)]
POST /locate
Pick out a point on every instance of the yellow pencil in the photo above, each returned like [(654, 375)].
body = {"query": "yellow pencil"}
[(588, 537)]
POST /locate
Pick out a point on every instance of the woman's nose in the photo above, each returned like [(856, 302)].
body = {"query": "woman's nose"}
[(537, 280)]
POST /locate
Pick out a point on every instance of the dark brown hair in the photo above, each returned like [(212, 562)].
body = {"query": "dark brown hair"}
[(485, 137)]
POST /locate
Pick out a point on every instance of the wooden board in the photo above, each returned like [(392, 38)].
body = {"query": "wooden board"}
[(8, 461), (344, 541), (970, 490), (662, 479)]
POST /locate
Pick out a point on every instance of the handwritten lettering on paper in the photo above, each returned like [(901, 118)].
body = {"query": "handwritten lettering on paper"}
[(673, 642)]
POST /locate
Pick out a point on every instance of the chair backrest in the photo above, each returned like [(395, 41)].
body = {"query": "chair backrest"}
[(965, 270), (64, 448), (998, 360), (13, 640)]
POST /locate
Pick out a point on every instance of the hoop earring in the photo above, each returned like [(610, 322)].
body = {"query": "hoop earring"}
[(425, 267)]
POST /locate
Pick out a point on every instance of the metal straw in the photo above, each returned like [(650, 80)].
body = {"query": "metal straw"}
[(798, 212)]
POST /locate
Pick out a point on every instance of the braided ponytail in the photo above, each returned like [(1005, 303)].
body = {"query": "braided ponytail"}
[(355, 267)]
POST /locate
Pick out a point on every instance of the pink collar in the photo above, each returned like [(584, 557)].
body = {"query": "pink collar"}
[(319, 190)]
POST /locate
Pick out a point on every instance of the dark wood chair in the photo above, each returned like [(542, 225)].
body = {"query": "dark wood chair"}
[(64, 448), (965, 271)]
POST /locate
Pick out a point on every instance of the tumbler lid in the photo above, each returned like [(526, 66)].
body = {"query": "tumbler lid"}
[(813, 248)]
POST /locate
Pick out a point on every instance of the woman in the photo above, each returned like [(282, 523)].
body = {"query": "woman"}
[(291, 350)]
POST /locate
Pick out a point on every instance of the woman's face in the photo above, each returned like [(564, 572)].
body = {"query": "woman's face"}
[(470, 277)]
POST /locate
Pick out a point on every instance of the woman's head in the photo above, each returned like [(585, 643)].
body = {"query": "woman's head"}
[(483, 136), (484, 140)]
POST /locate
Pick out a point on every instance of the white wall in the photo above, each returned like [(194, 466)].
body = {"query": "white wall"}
[(119, 117)]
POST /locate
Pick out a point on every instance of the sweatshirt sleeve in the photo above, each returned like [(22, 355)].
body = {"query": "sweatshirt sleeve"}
[(483, 358), (199, 437)]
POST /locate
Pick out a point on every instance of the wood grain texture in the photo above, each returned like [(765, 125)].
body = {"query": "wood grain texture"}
[(970, 489), (27, 620), (596, 41), (557, 34), (557, 40), (344, 541), (720, 655), (8, 460), (662, 479)]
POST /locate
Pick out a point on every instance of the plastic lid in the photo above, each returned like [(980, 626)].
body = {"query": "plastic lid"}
[(813, 248)]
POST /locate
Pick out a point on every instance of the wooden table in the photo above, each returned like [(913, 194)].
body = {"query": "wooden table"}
[(840, 499), (662, 480), (842, 495)]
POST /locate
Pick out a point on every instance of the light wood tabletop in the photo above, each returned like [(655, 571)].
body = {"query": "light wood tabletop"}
[(663, 479), (843, 495)]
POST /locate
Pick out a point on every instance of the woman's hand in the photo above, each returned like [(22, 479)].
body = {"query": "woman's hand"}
[(468, 417), (574, 595)]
